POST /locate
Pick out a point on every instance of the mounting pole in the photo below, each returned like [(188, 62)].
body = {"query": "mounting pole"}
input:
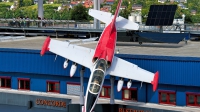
[(112, 95), (82, 88), (40, 12), (96, 7)]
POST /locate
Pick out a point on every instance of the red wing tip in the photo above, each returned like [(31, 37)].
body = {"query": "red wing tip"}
[(45, 46), (155, 81)]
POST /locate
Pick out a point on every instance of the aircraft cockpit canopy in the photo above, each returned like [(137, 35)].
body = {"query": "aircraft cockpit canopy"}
[(98, 76), (101, 64)]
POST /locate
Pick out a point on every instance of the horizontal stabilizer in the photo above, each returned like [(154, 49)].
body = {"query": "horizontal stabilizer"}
[(104, 17), (126, 24), (107, 17)]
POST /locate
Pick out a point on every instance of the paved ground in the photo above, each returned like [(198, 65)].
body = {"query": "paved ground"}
[(191, 49)]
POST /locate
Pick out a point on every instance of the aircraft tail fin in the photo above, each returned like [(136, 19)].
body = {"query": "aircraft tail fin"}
[(107, 17)]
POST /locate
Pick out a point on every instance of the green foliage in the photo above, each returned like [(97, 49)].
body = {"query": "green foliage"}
[(45, 1), (27, 9), (4, 10), (79, 12), (124, 13), (6, 3), (114, 6), (195, 18), (125, 2), (27, 2), (23, 3), (50, 11), (20, 3)]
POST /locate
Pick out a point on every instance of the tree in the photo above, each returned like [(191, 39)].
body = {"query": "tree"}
[(124, 13), (20, 3), (27, 2), (79, 12), (114, 7)]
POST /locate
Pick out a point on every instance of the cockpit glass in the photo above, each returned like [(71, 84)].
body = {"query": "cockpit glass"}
[(101, 64), (98, 76), (94, 88)]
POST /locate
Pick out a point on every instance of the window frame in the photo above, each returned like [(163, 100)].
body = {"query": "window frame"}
[(195, 99), (53, 82), (6, 78), (24, 79), (168, 97), (74, 83), (130, 89), (106, 96)]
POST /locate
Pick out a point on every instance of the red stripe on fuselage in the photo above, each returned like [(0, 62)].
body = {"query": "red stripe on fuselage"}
[(106, 45)]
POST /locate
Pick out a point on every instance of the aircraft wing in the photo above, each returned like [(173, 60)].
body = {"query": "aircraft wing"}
[(124, 69), (80, 55), (83, 56)]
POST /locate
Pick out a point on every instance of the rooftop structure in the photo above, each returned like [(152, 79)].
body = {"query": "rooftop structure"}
[(159, 49)]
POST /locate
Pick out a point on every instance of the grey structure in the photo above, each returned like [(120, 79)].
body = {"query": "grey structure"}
[(112, 94), (40, 11), (96, 7)]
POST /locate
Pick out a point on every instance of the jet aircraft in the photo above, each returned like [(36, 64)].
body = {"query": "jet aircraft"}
[(101, 61)]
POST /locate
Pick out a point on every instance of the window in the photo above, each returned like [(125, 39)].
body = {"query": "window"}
[(24, 84), (53, 86), (167, 97), (105, 92), (193, 99), (5, 82), (73, 88), (129, 94)]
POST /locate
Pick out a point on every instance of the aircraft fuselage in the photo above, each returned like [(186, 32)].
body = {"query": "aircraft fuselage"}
[(95, 84)]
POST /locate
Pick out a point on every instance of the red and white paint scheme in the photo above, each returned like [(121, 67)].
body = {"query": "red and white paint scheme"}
[(101, 61)]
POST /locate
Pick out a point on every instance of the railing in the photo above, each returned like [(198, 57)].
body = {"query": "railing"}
[(47, 24), (88, 25)]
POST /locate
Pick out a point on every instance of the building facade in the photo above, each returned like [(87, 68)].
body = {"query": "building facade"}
[(26, 70)]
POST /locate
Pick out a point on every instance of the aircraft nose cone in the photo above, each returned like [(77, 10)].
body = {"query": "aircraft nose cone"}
[(90, 102)]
